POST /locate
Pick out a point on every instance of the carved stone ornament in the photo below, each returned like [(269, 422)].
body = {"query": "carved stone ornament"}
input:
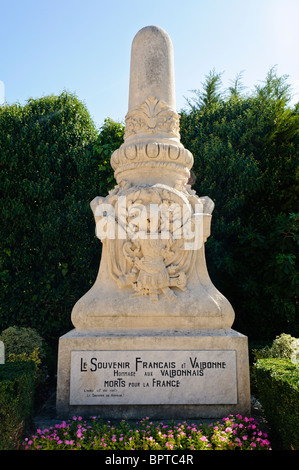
[(154, 154), (152, 117), (147, 231), (152, 225)]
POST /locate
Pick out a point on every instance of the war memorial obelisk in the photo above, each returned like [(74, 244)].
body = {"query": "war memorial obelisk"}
[(153, 336)]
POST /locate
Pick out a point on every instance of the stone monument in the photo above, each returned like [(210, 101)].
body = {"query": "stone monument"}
[(153, 335), (2, 353)]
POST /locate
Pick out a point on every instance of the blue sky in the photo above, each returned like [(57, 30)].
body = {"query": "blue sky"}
[(84, 46)]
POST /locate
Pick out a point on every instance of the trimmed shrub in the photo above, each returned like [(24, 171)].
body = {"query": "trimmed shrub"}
[(16, 402), (278, 388), (49, 175), (23, 345)]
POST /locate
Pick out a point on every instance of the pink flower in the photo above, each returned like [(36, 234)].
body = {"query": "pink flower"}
[(244, 438), (67, 442), (203, 438)]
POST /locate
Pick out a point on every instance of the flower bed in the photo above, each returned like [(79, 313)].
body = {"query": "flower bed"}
[(233, 433)]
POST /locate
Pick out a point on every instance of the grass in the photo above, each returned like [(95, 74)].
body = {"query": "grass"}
[(232, 433)]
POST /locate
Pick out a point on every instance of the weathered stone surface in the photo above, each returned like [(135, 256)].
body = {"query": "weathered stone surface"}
[(151, 275), (152, 67), (2, 353), (151, 377), (221, 390)]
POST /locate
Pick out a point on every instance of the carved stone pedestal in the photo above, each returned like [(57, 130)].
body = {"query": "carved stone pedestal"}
[(162, 374)]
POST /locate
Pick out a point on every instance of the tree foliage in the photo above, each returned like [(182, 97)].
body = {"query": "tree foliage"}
[(54, 162), (51, 157), (245, 149)]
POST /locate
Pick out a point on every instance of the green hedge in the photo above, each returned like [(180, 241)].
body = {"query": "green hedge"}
[(16, 402), (53, 163), (278, 387)]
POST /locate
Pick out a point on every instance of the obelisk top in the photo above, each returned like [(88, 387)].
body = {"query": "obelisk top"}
[(152, 152), (152, 67)]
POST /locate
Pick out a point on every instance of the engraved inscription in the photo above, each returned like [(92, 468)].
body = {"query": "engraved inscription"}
[(153, 377)]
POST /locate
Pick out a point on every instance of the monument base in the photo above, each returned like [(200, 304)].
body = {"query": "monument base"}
[(162, 374)]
